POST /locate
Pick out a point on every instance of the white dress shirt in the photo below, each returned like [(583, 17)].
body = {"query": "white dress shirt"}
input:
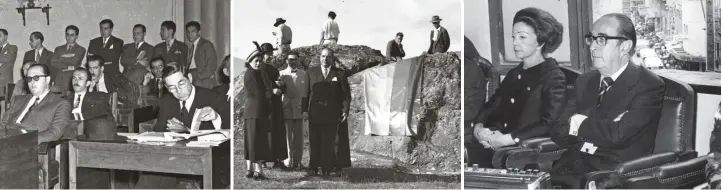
[(193, 54), (33, 100), (101, 84), (39, 53), (77, 111), (330, 30), (189, 101), (436, 34)]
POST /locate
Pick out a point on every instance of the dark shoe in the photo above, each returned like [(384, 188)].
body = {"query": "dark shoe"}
[(259, 176), (280, 165), (249, 174)]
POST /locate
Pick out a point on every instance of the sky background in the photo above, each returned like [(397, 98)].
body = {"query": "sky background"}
[(361, 22)]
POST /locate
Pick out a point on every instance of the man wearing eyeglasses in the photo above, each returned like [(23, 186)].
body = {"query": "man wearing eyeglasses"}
[(41, 111), (292, 78), (153, 81), (617, 108)]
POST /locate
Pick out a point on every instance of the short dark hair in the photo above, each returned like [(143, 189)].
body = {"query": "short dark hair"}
[(547, 29), (332, 15), (140, 26), (169, 25), (73, 27), (156, 59), (38, 35), (95, 58), (295, 53), (400, 34), (88, 76), (5, 32), (626, 28), (107, 21), (45, 69), (171, 69), (194, 24)]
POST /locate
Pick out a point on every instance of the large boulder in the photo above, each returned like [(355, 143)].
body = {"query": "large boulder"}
[(437, 145)]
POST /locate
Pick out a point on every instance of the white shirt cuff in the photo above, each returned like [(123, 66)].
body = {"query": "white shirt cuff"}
[(575, 122), (217, 122)]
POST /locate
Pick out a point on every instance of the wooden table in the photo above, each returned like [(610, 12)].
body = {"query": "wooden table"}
[(213, 163)]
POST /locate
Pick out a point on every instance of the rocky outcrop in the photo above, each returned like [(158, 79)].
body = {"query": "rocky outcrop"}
[(437, 145)]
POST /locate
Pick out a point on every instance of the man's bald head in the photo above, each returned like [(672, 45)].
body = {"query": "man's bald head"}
[(625, 27)]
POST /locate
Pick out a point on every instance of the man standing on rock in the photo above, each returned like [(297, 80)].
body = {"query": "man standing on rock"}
[(326, 105), (395, 49), (283, 36), (330, 30), (439, 38)]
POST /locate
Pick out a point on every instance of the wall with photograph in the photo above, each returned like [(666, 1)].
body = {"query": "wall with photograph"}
[(87, 15)]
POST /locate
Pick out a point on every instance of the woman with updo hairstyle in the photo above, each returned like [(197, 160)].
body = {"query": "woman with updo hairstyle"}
[(256, 118), (532, 96)]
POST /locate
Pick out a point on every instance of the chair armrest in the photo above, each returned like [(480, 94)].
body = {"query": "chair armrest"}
[(643, 182), (647, 164), (605, 179), (45, 147), (684, 169), (533, 142), (687, 155), (499, 158)]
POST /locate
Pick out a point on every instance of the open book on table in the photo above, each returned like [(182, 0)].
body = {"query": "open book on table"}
[(203, 135)]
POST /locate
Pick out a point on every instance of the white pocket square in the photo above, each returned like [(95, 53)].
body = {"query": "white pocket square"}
[(111, 47), (619, 116), (334, 79)]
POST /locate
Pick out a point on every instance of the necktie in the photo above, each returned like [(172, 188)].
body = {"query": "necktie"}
[(105, 41), (37, 55), (604, 86), (77, 102), (1, 48), (184, 111), (325, 71), (137, 46), (168, 47), (160, 87), (95, 88), (190, 57), (70, 46), (33, 103)]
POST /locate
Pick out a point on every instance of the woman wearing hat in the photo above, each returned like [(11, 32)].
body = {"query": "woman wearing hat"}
[(257, 118)]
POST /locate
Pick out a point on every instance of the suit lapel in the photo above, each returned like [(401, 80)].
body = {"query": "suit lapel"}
[(621, 86), (331, 75)]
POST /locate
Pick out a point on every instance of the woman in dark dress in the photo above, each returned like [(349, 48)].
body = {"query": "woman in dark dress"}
[(532, 95), (256, 116)]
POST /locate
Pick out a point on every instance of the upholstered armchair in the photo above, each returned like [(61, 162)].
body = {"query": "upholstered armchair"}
[(539, 151)]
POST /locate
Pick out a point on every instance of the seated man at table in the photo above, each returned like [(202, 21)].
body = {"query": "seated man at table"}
[(176, 113), (41, 111)]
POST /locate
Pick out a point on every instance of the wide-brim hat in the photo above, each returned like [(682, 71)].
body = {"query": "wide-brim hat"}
[(279, 21), (267, 47), (436, 18)]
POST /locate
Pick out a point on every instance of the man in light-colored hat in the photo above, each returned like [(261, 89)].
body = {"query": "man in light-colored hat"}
[(283, 36), (439, 38)]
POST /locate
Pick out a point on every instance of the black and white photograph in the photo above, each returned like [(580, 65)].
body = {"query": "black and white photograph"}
[(614, 94), (105, 94), (339, 94)]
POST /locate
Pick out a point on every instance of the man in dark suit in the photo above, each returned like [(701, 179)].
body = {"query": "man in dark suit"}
[(438, 38), (617, 109), (128, 94), (395, 49), (201, 57), (107, 46), (136, 56), (326, 104), (8, 54), (153, 81), (171, 50), (66, 58), (94, 109), (42, 111), (177, 109), (38, 53)]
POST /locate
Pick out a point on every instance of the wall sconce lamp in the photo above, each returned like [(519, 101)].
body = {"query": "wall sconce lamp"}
[(30, 5)]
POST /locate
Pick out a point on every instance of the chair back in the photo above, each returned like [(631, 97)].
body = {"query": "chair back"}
[(677, 118), (570, 78), (19, 161), (113, 101)]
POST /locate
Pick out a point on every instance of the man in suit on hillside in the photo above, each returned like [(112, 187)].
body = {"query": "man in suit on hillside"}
[(617, 109), (105, 82), (42, 111), (38, 53), (107, 46), (8, 54), (201, 57), (136, 56), (66, 58), (395, 49), (326, 104), (438, 38), (171, 50)]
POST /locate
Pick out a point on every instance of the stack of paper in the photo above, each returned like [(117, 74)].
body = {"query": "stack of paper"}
[(153, 137)]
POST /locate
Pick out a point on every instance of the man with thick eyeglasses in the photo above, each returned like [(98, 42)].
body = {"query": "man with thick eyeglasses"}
[(153, 81), (41, 111), (106, 82), (616, 111)]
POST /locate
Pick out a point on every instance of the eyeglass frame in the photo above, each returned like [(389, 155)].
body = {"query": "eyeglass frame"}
[(34, 78), (181, 82), (594, 38)]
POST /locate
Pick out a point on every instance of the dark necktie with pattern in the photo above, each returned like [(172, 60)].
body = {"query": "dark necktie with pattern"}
[(184, 110), (604, 87), (77, 102)]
